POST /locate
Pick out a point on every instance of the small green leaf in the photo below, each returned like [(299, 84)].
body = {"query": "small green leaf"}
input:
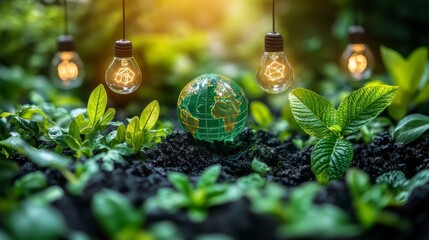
[(261, 114), (35, 222), (358, 182), (46, 196), (72, 143), (423, 95), (181, 182), (120, 134), (314, 113), (395, 179), (209, 176), (29, 183), (331, 158), (114, 212), (363, 105), (82, 122), (138, 140), (74, 130), (149, 116), (132, 130), (28, 125), (97, 104), (260, 167), (108, 116), (411, 127)]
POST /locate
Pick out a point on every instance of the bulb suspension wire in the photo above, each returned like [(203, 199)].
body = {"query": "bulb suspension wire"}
[(123, 19), (274, 15), (66, 20), (356, 12)]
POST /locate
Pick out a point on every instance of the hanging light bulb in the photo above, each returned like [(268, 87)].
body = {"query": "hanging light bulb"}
[(357, 59), (67, 70), (275, 74), (123, 76)]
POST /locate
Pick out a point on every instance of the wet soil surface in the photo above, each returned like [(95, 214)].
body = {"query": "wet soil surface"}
[(138, 179)]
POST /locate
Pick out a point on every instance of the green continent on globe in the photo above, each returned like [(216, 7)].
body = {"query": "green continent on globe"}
[(212, 108), (226, 107)]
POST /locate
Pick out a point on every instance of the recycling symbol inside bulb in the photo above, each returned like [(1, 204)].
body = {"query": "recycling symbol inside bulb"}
[(275, 71), (124, 76)]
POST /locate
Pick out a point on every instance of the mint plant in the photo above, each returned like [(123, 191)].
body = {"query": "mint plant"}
[(411, 128), (409, 74), (333, 154)]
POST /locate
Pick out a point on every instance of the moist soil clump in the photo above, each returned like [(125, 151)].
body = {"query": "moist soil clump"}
[(139, 179)]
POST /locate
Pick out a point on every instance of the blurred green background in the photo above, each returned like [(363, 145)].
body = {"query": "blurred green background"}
[(176, 41)]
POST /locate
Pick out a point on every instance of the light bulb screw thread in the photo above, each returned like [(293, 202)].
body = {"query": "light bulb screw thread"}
[(274, 42), (356, 34), (65, 43), (123, 48)]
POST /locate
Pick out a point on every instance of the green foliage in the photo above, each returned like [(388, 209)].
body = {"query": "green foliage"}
[(121, 220), (260, 167), (31, 221), (370, 201), (261, 114), (411, 128), (300, 217), (196, 199), (401, 186), (317, 116), (409, 75)]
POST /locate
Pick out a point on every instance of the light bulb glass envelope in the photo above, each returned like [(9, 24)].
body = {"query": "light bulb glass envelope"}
[(357, 59), (67, 69), (275, 74), (123, 76)]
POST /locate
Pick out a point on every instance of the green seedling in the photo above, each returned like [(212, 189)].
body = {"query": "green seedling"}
[(196, 199), (333, 154), (409, 74), (121, 220)]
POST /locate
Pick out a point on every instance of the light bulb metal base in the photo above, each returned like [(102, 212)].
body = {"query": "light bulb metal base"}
[(356, 34), (65, 43), (274, 42), (123, 48)]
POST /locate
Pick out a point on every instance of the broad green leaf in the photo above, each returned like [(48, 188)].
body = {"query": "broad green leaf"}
[(46, 196), (28, 125), (181, 182), (395, 179), (29, 183), (132, 130), (72, 143), (395, 65), (97, 104), (31, 221), (149, 116), (331, 158), (411, 127), (420, 179), (261, 114), (423, 95), (28, 111), (108, 116), (138, 140), (363, 105), (114, 212), (74, 130), (416, 68), (314, 113), (209, 176), (82, 122), (120, 134)]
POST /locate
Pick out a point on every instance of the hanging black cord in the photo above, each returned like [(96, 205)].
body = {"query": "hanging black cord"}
[(66, 20), (123, 19), (274, 15), (356, 12)]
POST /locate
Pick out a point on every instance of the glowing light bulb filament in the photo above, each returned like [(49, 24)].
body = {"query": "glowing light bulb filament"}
[(67, 71), (124, 76), (275, 71), (357, 63)]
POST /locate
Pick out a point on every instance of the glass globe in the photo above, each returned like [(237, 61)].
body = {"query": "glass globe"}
[(212, 108)]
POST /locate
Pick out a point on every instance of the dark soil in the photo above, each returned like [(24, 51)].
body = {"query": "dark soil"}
[(138, 180)]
